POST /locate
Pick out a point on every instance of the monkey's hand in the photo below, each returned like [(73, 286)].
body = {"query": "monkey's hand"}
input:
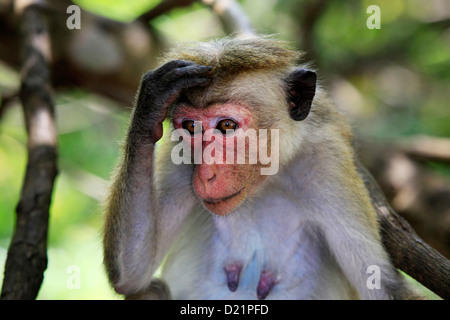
[(159, 89)]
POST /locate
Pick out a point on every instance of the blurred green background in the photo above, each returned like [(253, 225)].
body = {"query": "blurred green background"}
[(392, 82)]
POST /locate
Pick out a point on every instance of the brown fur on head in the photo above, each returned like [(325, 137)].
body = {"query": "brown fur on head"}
[(230, 56)]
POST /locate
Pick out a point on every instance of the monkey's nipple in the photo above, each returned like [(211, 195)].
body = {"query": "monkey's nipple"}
[(233, 273), (265, 284)]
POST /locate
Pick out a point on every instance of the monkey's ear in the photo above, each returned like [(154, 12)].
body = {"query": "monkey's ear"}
[(301, 89)]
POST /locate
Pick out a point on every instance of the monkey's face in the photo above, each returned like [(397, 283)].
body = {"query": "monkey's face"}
[(223, 143)]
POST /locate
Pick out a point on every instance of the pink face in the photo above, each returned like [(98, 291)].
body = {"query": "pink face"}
[(220, 186)]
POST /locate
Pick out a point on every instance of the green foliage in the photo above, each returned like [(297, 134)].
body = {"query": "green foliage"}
[(121, 10)]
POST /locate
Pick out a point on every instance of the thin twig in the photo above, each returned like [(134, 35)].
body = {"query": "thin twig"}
[(427, 147), (230, 13), (162, 8), (6, 102), (310, 13)]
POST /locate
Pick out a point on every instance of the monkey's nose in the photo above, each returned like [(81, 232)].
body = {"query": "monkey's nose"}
[(207, 181), (207, 173)]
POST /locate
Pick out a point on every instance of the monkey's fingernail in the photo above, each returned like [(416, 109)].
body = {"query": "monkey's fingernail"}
[(233, 272)]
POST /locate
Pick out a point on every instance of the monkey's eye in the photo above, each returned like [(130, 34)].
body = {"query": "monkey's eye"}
[(225, 125), (189, 125)]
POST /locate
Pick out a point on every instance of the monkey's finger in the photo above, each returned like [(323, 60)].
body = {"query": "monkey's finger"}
[(179, 68), (185, 83), (181, 78), (153, 76), (188, 72), (170, 95), (197, 82), (174, 64)]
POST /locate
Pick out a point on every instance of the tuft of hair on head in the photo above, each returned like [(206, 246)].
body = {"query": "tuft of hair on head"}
[(236, 54)]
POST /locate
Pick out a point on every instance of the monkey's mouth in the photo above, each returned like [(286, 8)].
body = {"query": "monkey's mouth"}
[(217, 201)]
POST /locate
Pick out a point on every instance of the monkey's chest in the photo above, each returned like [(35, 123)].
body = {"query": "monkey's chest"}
[(241, 257)]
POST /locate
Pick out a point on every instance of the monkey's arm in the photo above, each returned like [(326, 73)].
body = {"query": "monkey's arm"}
[(132, 246), (359, 253), (352, 235)]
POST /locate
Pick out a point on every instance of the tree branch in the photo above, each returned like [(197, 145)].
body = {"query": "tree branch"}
[(162, 8), (230, 13), (427, 147), (105, 56), (309, 14), (407, 250), (27, 253)]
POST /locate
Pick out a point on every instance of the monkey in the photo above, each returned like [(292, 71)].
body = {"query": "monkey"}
[(226, 230)]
